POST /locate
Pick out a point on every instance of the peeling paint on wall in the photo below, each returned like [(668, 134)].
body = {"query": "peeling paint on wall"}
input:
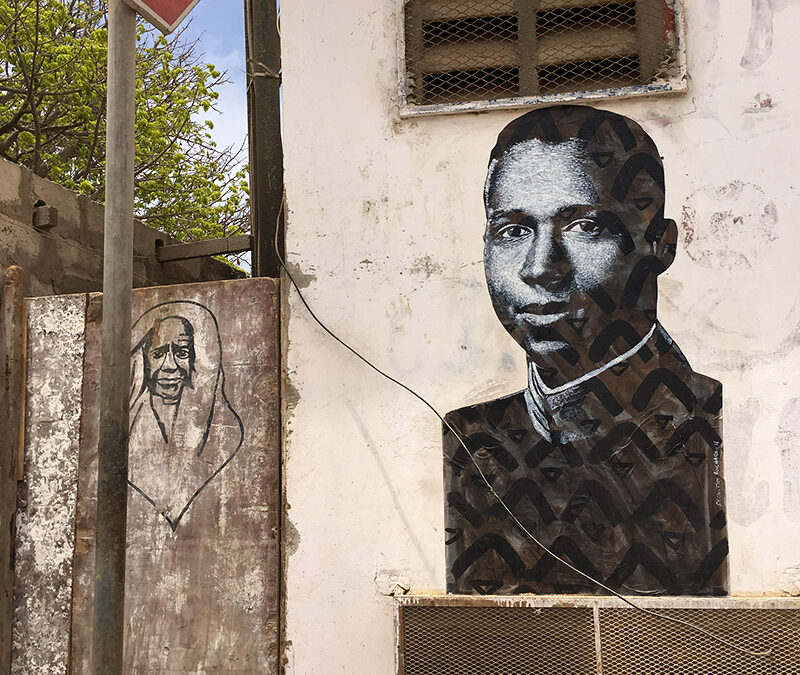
[(729, 226), (787, 439), (301, 278), (46, 513), (748, 496), (290, 539), (759, 38), (791, 581)]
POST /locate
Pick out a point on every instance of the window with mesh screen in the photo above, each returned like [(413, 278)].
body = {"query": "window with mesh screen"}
[(462, 51)]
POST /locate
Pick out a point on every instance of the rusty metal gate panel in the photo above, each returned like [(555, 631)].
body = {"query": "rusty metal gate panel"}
[(203, 506)]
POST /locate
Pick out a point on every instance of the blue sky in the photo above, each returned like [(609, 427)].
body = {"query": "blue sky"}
[(220, 26)]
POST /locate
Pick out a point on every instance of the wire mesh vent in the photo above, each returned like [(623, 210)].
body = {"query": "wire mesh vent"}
[(458, 51), (454, 635), (508, 640), (643, 644)]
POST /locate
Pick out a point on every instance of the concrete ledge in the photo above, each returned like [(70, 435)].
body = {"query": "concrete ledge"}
[(68, 258)]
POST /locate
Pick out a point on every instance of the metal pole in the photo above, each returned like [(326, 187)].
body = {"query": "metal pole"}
[(112, 471), (264, 125)]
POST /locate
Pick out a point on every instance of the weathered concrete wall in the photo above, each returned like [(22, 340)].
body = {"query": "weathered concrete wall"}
[(68, 258), (385, 220), (46, 501), (203, 521)]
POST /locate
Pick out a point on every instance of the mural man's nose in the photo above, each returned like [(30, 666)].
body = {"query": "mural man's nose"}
[(545, 261)]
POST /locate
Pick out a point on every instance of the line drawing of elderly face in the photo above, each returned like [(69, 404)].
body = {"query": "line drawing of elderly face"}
[(183, 429), (169, 358), (574, 241)]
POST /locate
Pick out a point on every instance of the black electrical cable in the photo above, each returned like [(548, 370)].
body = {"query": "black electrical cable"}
[(527, 533)]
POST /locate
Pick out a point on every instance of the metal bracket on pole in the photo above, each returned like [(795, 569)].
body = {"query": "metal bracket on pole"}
[(203, 249)]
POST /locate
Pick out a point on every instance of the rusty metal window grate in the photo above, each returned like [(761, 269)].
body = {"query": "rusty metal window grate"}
[(467, 54), (577, 635)]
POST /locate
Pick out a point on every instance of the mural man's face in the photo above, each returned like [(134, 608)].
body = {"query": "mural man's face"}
[(170, 359), (546, 252)]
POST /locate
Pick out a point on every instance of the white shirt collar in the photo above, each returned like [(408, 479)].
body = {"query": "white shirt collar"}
[(537, 389)]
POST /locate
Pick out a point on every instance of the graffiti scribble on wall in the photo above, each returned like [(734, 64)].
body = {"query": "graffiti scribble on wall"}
[(612, 454), (183, 430)]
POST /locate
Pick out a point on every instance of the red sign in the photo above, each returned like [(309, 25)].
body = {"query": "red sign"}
[(163, 14)]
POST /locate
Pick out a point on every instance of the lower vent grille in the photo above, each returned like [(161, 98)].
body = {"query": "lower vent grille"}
[(558, 635), (482, 640), (636, 643)]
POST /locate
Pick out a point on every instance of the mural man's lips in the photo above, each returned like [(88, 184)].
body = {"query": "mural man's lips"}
[(543, 313), (541, 319)]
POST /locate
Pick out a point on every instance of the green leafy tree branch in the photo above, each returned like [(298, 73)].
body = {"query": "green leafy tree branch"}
[(52, 116)]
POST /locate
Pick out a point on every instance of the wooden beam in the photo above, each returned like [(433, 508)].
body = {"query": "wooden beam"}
[(204, 249), (12, 383), (263, 49)]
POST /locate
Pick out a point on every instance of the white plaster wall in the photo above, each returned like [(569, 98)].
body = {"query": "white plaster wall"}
[(384, 230)]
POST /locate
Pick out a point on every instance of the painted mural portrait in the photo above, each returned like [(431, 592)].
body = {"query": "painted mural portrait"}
[(612, 454), (183, 430)]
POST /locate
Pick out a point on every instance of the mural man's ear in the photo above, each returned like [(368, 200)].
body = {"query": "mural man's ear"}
[(664, 249)]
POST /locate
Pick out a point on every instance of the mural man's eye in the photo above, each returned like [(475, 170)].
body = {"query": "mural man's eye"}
[(513, 231), (159, 353), (182, 353), (588, 225)]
